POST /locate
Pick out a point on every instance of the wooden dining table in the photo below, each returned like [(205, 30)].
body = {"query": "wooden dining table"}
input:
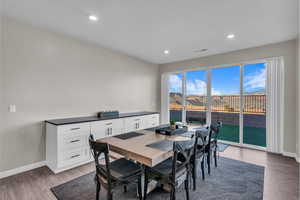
[(139, 148)]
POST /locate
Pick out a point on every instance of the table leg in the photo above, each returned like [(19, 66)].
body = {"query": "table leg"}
[(142, 179), (151, 184)]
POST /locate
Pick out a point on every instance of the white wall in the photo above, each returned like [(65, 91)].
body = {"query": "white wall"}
[(286, 49), (48, 75)]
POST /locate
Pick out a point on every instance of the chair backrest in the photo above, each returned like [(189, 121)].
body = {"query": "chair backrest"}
[(215, 129), (97, 149), (183, 152), (200, 136), (201, 139)]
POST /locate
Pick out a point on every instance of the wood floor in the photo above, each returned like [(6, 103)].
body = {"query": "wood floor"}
[(281, 177)]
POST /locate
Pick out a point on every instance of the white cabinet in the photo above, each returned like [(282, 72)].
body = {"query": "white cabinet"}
[(150, 121), (141, 122), (67, 146), (133, 124), (107, 128)]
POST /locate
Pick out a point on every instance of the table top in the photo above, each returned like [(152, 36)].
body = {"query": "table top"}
[(136, 148)]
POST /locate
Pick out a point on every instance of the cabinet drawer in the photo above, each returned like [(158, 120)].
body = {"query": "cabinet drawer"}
[(73, 156), (74, 142), (73, 130)]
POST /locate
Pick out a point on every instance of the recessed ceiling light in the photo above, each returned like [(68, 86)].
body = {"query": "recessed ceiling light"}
[(230, 36), (93, 18), (166, 52)]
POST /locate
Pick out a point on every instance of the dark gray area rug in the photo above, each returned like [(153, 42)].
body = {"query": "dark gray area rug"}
[(232, 180)]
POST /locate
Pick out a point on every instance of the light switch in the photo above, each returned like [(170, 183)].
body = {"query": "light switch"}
[(12, 108)]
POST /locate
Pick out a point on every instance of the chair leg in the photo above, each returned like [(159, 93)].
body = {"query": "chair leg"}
[(215, 158), (140, 188), (125, 188), (145, 184), (173, 193), (109, 194), (194, 174), (98, 188), (186, 184), (202, 169), (208, 162)]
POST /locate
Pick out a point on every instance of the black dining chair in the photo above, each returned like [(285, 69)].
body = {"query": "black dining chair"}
[(172, 170), (110, 175), (199, 156), (212, 144)]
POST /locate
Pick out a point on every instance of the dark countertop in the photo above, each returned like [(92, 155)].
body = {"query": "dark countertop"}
[(65, 121)]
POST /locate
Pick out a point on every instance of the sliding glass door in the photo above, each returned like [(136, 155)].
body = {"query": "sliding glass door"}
[(225, 93), (254, 101), (176, 96), (196, 97), (218, 94)]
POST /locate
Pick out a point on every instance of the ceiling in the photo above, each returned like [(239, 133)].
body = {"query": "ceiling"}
[(145, 28)]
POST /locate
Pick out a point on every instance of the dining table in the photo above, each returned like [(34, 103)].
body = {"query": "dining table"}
[(146, 147)]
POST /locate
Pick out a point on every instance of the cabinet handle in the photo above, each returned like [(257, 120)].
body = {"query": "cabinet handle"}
[(75, 156), (137, 120), (73, 129), (109, 123), (109, 131), (74, 141)]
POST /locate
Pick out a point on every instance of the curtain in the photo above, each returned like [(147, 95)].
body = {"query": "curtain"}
[(275, 104)]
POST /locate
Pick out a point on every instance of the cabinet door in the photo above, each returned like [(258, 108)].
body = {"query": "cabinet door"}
[(150, 121), (154, 120), (132, 124), (117, 127), (101, 129)]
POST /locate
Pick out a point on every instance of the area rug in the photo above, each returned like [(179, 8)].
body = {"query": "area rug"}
[(231, 180)]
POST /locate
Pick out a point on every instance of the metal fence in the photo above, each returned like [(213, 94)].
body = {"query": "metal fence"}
[(224, 103)]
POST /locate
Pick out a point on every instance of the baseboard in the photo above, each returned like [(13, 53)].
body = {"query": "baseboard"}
[(22, 169), (292, 155)]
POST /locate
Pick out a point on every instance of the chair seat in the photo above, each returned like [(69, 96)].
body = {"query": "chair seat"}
[(123, 168), (165, 168)]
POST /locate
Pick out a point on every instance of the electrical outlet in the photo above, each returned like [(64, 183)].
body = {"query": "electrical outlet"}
[(12, 108)]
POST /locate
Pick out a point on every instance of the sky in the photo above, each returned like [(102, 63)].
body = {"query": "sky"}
[(225, 81)]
